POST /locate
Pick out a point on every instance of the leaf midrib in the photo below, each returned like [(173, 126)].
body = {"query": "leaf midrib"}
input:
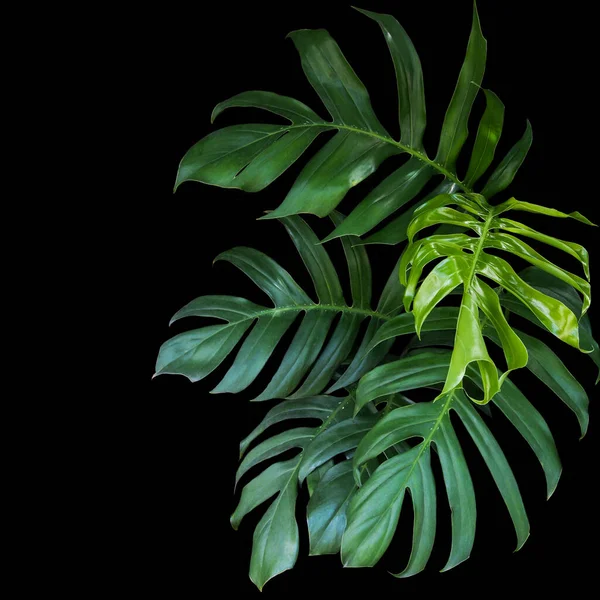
[(423, 447), (408, 149)]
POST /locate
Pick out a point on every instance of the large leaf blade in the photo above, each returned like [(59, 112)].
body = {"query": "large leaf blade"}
[(409, 79), (505, 172), (455, 126), (488, 136)]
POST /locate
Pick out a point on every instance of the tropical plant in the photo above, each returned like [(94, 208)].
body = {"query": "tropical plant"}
[(372, 442)]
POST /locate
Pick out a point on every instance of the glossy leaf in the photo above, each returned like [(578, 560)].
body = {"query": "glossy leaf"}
[(390, 304), (455, 126), (488, 136), (389, 196), (250, 157), (549, 369), (374, 511), (326, 511), (409, 78), (275, 542), (395, 232), (463, 260), (555, 288), (505, 172), (358, 454), (317, 350)]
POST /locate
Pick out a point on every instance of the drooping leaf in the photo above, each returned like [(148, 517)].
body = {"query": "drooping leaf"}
[(464, 260), (355, 460), (275, 542)]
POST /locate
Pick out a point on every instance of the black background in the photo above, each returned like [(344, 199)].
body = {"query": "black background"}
[(540, 63)]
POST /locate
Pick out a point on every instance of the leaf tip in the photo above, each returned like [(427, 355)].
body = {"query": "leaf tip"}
[(328, 238), (365, 12), (522, 541), (269, 215), (553, 485)]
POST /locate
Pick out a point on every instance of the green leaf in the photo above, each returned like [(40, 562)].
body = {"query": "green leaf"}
[(226, 308), (389, 305), (575, 250), (549, 369), (429, 421), (390, 195), (498, 465), (554, 315), (276, 542), (276, 534), (335, 440), (316, 260), (273, 446), (488, 136), (338, 86), (557, 289), (509, 243), (289, 108), (374, 511), (443, 318), (359, 268), (514, 204), (399, 376), (316, 353), (264, 486), (395, 231), (342, 163), (534, 429), (463, 261), (317, 407), (505, 172), (276, 282), (326, 511), (350, 155), (455, 126), (246, 157), (198, 353), (357, 459), (301, 354), (315, 477), (409, 77), (459, 489)]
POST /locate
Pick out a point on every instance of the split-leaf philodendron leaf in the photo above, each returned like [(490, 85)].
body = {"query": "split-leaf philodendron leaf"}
[(338, 372)]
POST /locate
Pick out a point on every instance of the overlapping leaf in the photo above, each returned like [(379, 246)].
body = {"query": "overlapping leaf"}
[(465, 260), (357, 464), (250, 157), (275, 544), (314, 356), (374, 510)]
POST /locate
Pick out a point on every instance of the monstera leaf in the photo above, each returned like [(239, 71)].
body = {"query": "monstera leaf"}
[(366, 447), (313, 356), (374, 511), (250, 157), (276, 539), (465, 261)]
